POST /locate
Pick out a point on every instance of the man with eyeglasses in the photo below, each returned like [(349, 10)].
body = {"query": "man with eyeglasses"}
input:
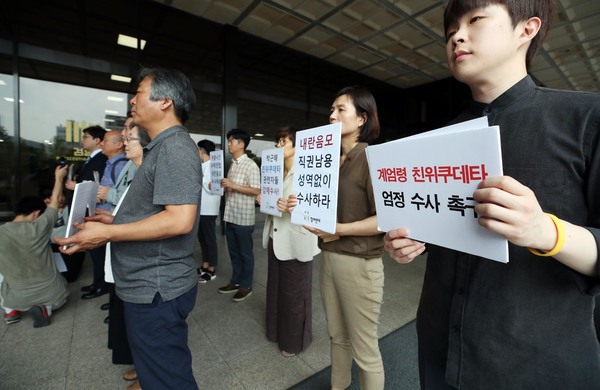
[(153, 234), (112, 194), (91, 141)]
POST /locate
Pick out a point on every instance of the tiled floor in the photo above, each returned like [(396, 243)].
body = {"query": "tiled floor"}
[(227, 339)]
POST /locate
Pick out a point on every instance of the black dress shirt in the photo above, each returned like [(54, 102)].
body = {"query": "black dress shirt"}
[(527, 324)]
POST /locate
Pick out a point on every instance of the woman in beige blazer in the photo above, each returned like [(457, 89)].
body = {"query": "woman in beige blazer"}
[(291, 249)]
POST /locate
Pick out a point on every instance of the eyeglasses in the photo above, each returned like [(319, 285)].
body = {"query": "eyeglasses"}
[(280, 141), (129, 139)]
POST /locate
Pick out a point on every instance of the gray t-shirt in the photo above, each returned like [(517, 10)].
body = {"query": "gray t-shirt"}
[(169, 175)]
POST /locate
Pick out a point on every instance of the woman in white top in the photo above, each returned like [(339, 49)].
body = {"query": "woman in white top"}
[(291, 249)]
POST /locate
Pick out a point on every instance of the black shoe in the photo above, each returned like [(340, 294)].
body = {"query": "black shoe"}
[(230, 288), (95, 293), (242, 294), (105, 306), (40, 316), (88, 288)]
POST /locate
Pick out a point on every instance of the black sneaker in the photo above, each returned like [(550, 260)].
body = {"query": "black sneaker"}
[(40, 316), (230, 288), (242, 294), (207, 276)]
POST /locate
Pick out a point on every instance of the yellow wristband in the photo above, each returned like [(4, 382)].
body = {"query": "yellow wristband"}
[(560, 238)]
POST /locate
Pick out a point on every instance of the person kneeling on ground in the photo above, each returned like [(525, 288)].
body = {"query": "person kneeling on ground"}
[(31, 281)]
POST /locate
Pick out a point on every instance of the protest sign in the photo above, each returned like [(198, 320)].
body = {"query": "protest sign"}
[(271, 180), (217, 169), (425, 183), (317, 166)]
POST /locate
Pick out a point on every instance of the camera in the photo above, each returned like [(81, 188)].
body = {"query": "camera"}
[(62, 161)]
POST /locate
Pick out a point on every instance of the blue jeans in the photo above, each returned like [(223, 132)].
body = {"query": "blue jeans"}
[(240, 245), (158, 335)]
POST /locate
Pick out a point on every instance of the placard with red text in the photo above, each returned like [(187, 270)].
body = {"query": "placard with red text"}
[(426, 182), (316, 172)]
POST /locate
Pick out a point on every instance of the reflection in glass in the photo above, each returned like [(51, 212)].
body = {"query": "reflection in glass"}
[(52, 119), (7, 134)]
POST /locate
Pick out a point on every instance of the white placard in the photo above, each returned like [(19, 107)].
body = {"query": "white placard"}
[(271, 180), (317, 167), (108, 272), (217, 169), (425, 183), (84, 199)]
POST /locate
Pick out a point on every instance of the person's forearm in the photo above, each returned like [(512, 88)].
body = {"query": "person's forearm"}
[(246, 190), (580, 251), (56, 192), (365, 227), (206, 182), (171, 222)]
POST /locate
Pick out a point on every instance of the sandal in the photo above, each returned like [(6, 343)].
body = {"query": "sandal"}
[(130, 375)]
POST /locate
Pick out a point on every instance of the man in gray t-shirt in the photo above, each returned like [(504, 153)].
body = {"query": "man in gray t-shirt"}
[(154, 232)]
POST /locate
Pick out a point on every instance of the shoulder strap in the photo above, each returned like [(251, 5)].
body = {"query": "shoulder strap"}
[(112, 170)]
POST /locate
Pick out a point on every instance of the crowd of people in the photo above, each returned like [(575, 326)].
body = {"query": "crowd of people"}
[(480, 324)]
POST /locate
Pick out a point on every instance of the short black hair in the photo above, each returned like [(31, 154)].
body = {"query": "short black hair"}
[(241, 135), (207, 145), (518, 10), (28, 204), (95, 132)]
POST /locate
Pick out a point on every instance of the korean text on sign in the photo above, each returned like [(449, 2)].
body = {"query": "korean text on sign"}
[(426, 182), (271, 181), (316, 165), (217, 170)]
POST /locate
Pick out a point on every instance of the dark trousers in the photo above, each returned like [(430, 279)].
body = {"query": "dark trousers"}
[(289, 303), (208, 239), (240, 245), (97, 256), (117, 331), (158, 335)]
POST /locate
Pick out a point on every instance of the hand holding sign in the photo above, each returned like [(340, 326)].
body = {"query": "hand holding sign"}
[(432, 193)]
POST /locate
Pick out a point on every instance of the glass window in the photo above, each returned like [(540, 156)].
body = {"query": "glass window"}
[(7, 133), (52, 119)]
